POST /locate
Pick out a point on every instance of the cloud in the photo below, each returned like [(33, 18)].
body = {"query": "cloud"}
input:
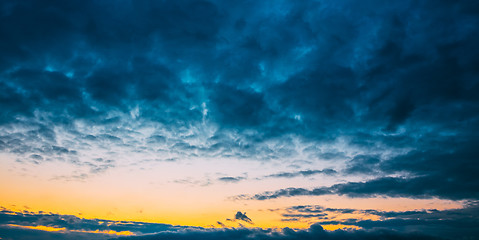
[(431, 223), (242, 216), (11, 233), (312, 70), (440, 223), (69, 225), (221, 224), (363, 164), (440, 169), (418, 187), (392, 84), (231, 179), (304, 173), (314, 232), (249, 78), (236, 179)]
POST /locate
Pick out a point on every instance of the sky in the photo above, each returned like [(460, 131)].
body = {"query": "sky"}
[(276, 119)]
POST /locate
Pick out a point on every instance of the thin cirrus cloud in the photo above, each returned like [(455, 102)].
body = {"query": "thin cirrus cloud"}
[(236, 179), (297, 99)]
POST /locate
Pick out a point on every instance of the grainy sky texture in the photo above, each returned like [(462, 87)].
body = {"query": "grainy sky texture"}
[(275, 119)]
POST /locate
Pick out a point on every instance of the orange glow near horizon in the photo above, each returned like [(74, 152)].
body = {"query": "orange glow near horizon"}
[(112, 197), (56, 229)]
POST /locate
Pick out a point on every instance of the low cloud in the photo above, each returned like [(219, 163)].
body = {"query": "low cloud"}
[(439, 223), (28, 223), (242, 217), (418, 224), (314, 232)]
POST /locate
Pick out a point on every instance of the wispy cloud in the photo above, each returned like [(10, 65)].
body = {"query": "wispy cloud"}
[(304, 173)]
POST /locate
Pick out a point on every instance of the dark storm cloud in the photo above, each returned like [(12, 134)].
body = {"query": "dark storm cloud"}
[(92, 53), (239, 107), (110, 56)]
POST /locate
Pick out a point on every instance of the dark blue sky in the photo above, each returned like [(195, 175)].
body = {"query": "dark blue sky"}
[(379, 97)]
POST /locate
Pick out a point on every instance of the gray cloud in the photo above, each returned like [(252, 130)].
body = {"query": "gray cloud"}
[(436, 224), (242, 216), (418, 187), (73, 223), (314, 232), (304, 173), (231, 179), (439, 223)]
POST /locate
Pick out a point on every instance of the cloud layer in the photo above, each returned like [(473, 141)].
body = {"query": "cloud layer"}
[(379, 98), (217, 80), (71, 227)]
